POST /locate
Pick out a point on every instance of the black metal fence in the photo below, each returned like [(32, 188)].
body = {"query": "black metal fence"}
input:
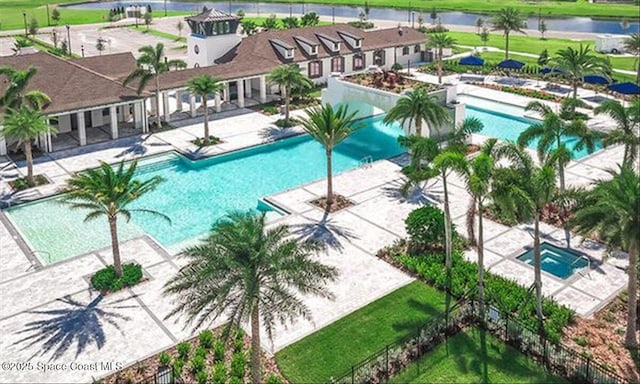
[(164, 375), (557, 359)]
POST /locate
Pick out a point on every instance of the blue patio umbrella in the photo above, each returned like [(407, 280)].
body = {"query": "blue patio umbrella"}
[(510, 64), (596, 79), (547, 70), (472, 60), (627, 88)]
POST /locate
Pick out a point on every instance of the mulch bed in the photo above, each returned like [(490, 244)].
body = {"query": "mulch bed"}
[(21, 183), (339, 203), (201, 142)]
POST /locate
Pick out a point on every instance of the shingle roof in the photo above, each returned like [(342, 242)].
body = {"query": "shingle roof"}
[(114, 66), (211, 15), (69, 85)]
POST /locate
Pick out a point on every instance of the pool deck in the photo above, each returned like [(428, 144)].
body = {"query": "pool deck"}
[(50, 314)]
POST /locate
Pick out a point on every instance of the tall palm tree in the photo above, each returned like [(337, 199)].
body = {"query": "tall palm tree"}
[(150, 65), (250, 273), (457, 140), (203, 86), (422, 151), (627, 126), (508, 20), (632, 45), (329, 127), (288, 77), (575, 64), (25, 125), (15, 95), (611, 212), (528, 197), (440, 41), (415, 107), (105, 191)]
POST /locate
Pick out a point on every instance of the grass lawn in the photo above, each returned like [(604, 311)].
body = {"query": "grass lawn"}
[(260, 20), (155, 32), (577, 8), (462, 360), (333, 349)]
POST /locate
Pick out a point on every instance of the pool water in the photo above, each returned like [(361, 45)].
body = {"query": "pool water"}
[(559, 262), (197, 193), (508, 127)]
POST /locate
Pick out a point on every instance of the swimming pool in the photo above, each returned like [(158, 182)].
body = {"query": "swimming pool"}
[(196, 193), (508, 127), (560, 262)]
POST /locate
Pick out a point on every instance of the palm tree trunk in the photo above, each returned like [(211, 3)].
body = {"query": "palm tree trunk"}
[(537, 272), (115, 246), (447, 240), (286, 106), (158, 120), (630, 339), (206, 118), (329, 180), (506, 45), (256, 376), (575, 89), (439, 65), (471, 222), (29, 158), (419, 126), (480, 262)]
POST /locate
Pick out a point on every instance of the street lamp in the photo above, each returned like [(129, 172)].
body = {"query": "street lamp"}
[(409, 13), (26, 32), (165, 8), (82, 49), (413, 19), (290, 10), (333, 14), (68, 38)]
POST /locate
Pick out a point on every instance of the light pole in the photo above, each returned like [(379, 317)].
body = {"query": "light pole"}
[(26, 32), (82, 49), (413, 19), (48, 20), (69, 38), (409, 13), (333, 14), (290, 10), (165, 8), (135, 13)]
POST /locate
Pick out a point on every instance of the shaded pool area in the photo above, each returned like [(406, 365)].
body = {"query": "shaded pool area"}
[(560, 262)]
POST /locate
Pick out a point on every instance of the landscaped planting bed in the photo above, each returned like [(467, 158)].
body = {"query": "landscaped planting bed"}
[(464, 358), (389, 81), (336, 347)]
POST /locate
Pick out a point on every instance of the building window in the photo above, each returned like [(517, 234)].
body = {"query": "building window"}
[(416, 49), (315, 69), (378, 57), (405, 51), (337, 64), (358, 61)]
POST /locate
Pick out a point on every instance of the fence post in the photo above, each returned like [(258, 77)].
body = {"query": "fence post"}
[(588, 368), (352, 375), (386, 370), (545, 355)]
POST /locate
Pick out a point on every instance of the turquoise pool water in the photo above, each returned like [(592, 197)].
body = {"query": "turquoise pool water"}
[(559, 262), (508, 127), (196, 193)]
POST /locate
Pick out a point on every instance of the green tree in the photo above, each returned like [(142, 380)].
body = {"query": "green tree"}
[(150, 65), (108, 191), (632, 45), (33, 26), (203, 86), (100, 45), (55, 15), (179, 27), (249, 27), (508, 20), (310, 19), (543, 59), (479, 24), (433, 15), (627, 125), (271, 23), (542, 28), (329, 127), (288, 77), (415, 107), (16, 94), (458, 139), (611, 212), (25, 125), (148, 18), (422, 151), (249, 272), (440, 41), (240, 13), (291, 22), (575, 64), (484, 36)]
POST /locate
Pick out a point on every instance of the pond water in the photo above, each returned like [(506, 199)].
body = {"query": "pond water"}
[(570, 24)]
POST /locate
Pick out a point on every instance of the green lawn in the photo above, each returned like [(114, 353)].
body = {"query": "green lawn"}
[(565, 8), (333, 349), (155, 32), (463, 360)]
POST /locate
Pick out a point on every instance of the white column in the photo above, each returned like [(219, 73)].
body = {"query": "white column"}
[(152, 105), (240, 93), (263, 89), (145, 121), (192, 104), (96, 118), (178, 101), (3, 144), (247, 88), (82, 129), (113, 114), (218, 102), (226, 95), (138, 112), (49, 143), (165, 106)]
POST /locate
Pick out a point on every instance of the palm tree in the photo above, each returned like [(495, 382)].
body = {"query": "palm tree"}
[(457, 140), (329, 127), (26, 124), (440, 41), (203, 86), (414, 107), (574, 64), (15, 95), (626, 132), (422, 151), (151, 64), (288, 77), (508, 20), (105, 191), (611, 212), (632, 45), (250, 273)]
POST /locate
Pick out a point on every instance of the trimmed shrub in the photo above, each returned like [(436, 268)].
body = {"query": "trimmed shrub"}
[(238, 365), (236, 380), (273, 379), (206, 339), (202, 377), (164, 359), (197, 364), (105, 280), (425, 227), (219, 374), (183, 349), (218, 351), (200, 352), (178, 365)]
